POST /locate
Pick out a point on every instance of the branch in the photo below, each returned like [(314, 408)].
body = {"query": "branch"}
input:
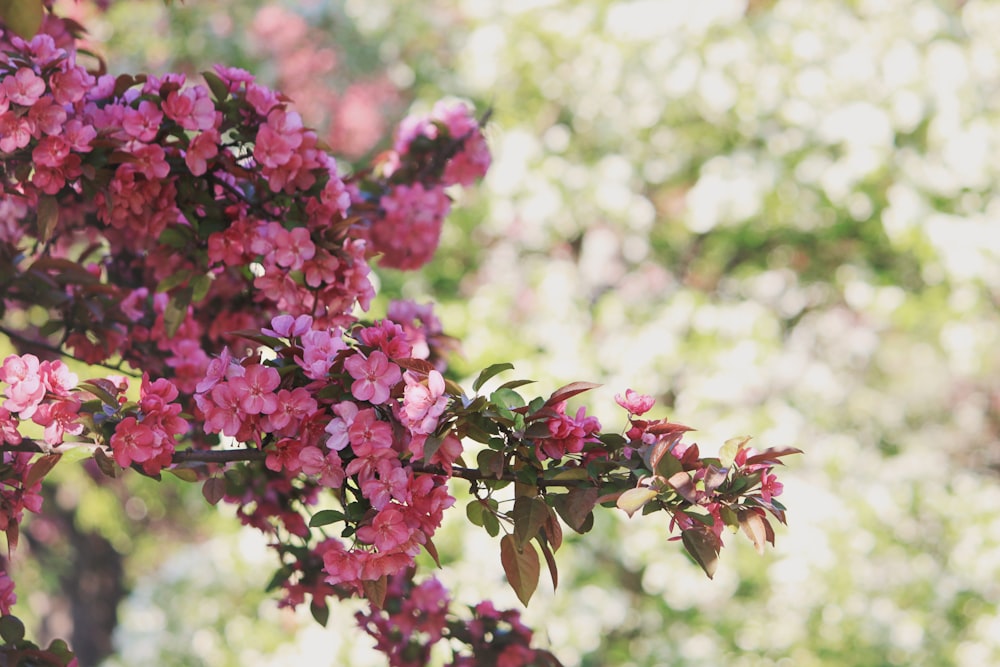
[(39, 345), (247, 454)]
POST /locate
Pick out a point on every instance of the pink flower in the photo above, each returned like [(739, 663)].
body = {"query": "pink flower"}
[(15, 132), (26, 389), (319, 348), (202, 148), (132, 441), (770, 486), (287, 326), (24, 87), (637, 404), (293, 247), (144, 122), (338, 427), (374, 377), (368, 434), (387, 531), (325, 465), (390, 482), (423, 404), (57, 377), (255, 389), (7, 595), (568, 434), (293, 407), (58, 418)]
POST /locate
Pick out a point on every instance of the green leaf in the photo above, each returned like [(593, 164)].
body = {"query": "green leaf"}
[(176, 311), (507, 398), (704, 547), (24, 17), (489, 372), (633, 500), (491, 523), (220, 91), (200, 285), (474, 512), (521, 567), (47, 214), (183, 474), (729, 450), (11, 629), (529, 515), (320, 612), (490, 463), (173, 280), (325, 518), (514, 384)]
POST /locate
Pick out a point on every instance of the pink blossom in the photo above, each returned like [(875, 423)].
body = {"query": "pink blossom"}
[(368, 434), (390, 482), (58, 418), (151, 162), (568, 434), (216, 371), (132, 442), (770, 486), (287, 326), (26, 388), (374, 377), (203, 147), (144, 122), (57, 377), (293, 407), (222, 412), (7, 595), (325, 465), (284, 456), (338, 427), (637, 404), (8, 428), (423, 403), (24, 87), (255, 389), (293, 247), (319, 348), (387, 531), (15, 132)]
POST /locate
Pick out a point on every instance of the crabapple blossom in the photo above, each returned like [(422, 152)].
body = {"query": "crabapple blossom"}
[(374, 376)]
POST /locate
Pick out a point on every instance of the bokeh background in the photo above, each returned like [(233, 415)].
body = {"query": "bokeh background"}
[(778, 217)]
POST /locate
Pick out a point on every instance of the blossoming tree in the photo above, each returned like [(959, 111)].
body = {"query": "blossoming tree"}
[(196, 239)]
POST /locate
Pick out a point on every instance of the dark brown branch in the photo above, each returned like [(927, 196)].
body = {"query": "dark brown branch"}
[(37, 344), (246, 454)]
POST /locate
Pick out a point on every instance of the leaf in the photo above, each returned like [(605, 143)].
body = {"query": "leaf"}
[(213, 489), (521, 566), (552, 530), (101, 389), (574, 507), (514, 384), (40, 468), (665, 428), (529, 515), (489, 372), (570, 390), (772, 455), (633, 500), (432, 550), (490, 463), (325, 518), (11, 629), (320, 612), (684, 486), (200, 285), (173, 280), (220, 91), (714, 477), (183, 474), (105, 463), (704, 547), (47, 217), (753, 527), (728, 451), (550, 560), (375, 590), (176, 311), (474, 512), (507, 398), (24, 17)]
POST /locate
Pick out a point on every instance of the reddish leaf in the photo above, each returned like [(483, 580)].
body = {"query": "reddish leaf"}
[(574, 507), (753, 527), (550, 560), (375, 591), (684, 486), (105, 463), (772, 455), (529, 515), (704, 547), (432, 550), (13, 536), (569, 391), (521, 566), (663, 428), (490, 463), (40, 469), (552, 529), (419, 366), (213, 489)]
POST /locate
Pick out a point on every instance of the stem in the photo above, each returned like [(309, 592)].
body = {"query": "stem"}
[(248, 454)]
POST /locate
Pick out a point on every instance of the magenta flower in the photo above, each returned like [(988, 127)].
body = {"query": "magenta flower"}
[(374, 377), (637, 404)]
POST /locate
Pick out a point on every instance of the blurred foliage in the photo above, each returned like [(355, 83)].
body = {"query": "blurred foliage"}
[(779, 217)]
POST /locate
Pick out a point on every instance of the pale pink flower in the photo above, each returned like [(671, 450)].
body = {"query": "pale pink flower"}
[(637, 404), (338, 427), (24, 87), (255, 390), (423, 403)]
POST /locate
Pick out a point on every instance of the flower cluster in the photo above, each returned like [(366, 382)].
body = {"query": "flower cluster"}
[(41, 392)]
